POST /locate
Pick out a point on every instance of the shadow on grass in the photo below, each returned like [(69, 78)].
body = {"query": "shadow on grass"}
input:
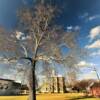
[(78, 98)]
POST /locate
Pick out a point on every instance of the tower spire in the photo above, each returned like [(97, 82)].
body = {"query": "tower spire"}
[(53, 73)]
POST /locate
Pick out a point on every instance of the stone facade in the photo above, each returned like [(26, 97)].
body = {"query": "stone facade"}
[(56, 84)]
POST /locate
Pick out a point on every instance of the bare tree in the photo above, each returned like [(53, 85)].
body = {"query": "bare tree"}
[(38, 37), (71, 77)]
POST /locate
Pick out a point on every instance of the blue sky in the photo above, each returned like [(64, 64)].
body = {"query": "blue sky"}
[(76, 14)]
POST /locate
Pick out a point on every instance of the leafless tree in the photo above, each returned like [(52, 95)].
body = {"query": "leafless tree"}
[(38, 37), (71, 77)]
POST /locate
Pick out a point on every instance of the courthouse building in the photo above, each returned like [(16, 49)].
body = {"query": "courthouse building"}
[(54, 84)]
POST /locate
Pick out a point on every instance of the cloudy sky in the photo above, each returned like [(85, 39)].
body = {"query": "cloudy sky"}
[(83, 15)]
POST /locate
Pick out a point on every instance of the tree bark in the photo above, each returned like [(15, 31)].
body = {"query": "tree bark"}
[(32, 81)]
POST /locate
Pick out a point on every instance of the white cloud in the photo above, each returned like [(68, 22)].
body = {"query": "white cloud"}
[(85, 64), (94, 32), (6, 76), (94, 45), (93, 17), (69, 27), (75, 28), (96, 53), (87, 17), (90, 75)]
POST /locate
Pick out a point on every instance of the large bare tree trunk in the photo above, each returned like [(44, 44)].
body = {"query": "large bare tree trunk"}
[(32, 81)]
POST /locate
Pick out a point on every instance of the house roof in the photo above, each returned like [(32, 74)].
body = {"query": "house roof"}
[(6, 79), (96, 84)]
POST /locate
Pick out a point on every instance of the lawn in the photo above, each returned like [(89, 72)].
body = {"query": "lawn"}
[(68, 96)]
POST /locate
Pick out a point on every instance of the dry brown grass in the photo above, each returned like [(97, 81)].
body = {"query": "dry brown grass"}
[(67, 96)]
